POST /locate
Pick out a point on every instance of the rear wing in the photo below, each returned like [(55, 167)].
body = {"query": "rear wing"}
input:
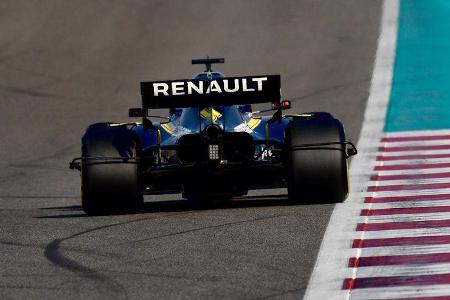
[(219, 92)]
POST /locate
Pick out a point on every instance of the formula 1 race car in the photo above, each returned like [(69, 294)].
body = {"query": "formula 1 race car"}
[(213, 146)]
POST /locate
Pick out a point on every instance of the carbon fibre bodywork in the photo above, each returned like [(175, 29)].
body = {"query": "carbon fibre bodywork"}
[(215, 145), (176, 152)]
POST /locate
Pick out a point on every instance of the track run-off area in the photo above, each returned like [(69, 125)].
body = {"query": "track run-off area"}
[(391, 238)]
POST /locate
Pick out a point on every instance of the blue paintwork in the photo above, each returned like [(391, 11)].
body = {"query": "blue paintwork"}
[(149, 137), (189, 121), (420, 96)]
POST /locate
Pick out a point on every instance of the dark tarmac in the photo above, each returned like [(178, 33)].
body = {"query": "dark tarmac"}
[(66, 64)]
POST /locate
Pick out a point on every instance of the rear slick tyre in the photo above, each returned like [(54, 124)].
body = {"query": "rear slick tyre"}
[(110, 186), (318, 174)]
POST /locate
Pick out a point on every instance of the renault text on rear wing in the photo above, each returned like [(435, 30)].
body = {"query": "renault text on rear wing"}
[(224, 91)]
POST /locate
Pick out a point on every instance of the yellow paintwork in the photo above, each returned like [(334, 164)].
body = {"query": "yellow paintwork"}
[(253, 123), (206, 114), (168, 127)]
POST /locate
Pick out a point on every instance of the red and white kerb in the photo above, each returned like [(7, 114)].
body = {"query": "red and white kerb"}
[(403, 250)]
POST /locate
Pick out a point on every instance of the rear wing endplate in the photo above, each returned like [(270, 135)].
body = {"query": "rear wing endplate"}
[(219, 92)]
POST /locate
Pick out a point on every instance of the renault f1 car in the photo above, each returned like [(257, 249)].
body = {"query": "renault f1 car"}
[(213, 146)]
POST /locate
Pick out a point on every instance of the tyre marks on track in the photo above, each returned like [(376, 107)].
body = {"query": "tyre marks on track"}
[(263, 218), (108, 285)]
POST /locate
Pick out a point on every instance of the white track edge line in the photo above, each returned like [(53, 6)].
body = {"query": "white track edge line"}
[(330, 269)]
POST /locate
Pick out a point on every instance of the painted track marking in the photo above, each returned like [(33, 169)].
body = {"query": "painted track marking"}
[(392, 235), (434, 197), (396, 266), (326, 279)]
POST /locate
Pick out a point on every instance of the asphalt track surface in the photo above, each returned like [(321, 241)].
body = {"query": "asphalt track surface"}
[(64, 65)]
